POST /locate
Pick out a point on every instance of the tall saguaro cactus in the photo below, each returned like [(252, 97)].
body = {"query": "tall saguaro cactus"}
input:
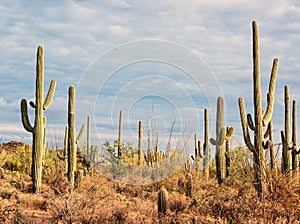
[(295, 152), (37, 129), (260, 119), (221, 137), (140, 143), (285, 136), (88, 145), (206, 149), (71, 136), (120, 136)]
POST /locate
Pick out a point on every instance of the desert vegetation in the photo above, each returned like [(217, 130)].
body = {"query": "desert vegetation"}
[(244, 184)]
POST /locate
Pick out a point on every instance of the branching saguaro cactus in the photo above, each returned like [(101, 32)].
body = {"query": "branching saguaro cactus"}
[(260, 119), (221, 137), (72, 140), (37, 129), (162, 202)]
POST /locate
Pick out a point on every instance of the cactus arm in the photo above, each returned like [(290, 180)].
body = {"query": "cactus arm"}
[(267, 133), (24, 115), (268, 114), (50, 94), (32, 104), (80, 134), (213, 141), (250, 122), (200, 149), (267, 144), (229, 132), (245, 125)]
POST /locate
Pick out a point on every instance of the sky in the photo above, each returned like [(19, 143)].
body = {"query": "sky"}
[(155, 60)]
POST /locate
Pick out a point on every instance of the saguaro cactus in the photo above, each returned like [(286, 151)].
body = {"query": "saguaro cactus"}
[(37, 129), (72, 140), (120, 136), (71, 136), (295, 152), (219, 142), (260, 119), (140, 143), (206, 149), (88, 146), (162, 202), (285, 136)]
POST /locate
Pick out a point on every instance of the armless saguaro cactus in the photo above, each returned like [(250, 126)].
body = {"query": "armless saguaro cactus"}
[(285, 136), (219, 142), (37, 129), (260, 119), (140, 147), (71, 136), (295, 151), (88, 146), (206, 149), (72, 140), (120, 136)]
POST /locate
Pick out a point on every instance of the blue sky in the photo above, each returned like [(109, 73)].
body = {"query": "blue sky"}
[(173, 56)]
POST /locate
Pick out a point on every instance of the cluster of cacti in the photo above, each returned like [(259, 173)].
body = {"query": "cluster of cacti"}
[(222, 135), (38, 129), (260, 120)]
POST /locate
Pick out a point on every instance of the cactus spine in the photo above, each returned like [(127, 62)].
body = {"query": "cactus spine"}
[(219, 142), (257, 147), (37, 130), (140, 147), (120, 136), (162, 202)]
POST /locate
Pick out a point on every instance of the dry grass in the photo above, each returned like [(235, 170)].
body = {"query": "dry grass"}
[(99, 200)]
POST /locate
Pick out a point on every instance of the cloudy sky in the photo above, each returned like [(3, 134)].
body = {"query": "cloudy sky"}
[(154, 60)]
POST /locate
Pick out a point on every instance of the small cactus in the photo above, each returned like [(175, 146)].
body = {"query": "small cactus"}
[(162, 202), (189, 185)]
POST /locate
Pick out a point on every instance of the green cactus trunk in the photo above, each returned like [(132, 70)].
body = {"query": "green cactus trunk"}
[(206, 149), (227, 153), (220, 143), (140, 143), (273, 165), (120, 136), (287, 145), (257, 148), (295, 153), (88, 146), (71, 137), (66, 150), (38, 130)]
